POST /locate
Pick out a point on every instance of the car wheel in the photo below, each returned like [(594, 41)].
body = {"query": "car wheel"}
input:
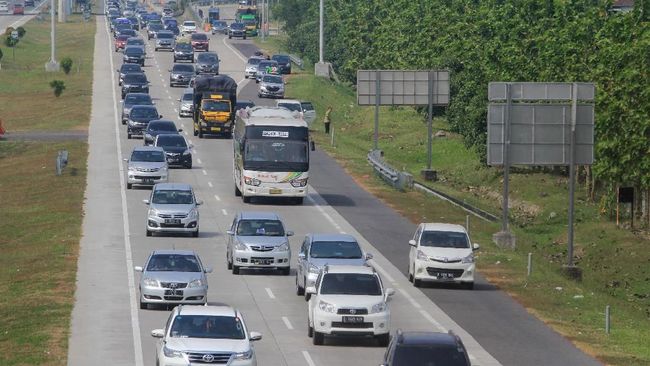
[(200, 133), (196, 233), (416, 282), (298, 200), (149, 233), (319, 338), (246, 199), (285, 271), (237, 192), (195, 131), (174, 59), (144, 305), (383, 339), (235, 269), (128, 136), (244, 37), (188, 166), (123, 95), (155, 49), (229, 36), (228, 263), (410, 276), (310, 330), (300, 291), (129, 186), (245, 76)]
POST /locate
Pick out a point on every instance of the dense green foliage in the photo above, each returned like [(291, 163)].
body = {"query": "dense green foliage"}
[(58, 86), (500, 40), (66, 64)]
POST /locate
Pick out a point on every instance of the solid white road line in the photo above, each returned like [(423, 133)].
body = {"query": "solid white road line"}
[(269, 292), (307, 357), (410, 299), (383, 273), (287, 323), (325, 214), (204, 172), (198, 161), (428, 317), (210, 185), (224, 212), (135, 322), (234, 50), (217, 198)]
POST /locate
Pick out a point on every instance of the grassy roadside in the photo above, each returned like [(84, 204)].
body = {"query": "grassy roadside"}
[(614, 261), (40, 213)]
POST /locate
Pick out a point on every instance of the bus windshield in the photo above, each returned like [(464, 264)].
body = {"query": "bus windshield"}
[(274, 155)]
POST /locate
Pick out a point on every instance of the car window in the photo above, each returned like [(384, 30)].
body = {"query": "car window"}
[(430, 355), (272, 79), (281, 59), (188, 96), (172, 197), (307, 106), (206, 326), (173, 263), (260, 228), (130, 68), (171, 141), (148, 156), (336, 249), (184, 68), (189, 24), (444, 239), (294, 107), (122, 38), (135, 78), (135, 42), (137, 99), (207, 57), (350, 284), (162, 126), (254, 61), (144, 113), (165, 35), (134, 51), (199, 37)]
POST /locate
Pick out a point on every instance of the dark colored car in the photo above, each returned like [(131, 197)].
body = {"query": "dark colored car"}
[(135, 83), (170, 21), (176, 149), (133, 99), (133, 55), (207, 63), (139, 118), (200, 41), (120, 28), (219, 26), (29, 3), (237, 30), (173, 28), (284, 63), (157, 127), (127, 69), (126, 32), (183, 51), (243, 104), (19, 9), (152, 29), (135, 23), (425, 348), (266, 67), (120, 42), (180, 74)]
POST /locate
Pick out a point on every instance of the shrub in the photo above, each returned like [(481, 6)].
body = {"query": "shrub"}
[(66, 64), (1, 55), (10, 42), (58, 86), (21, 32)]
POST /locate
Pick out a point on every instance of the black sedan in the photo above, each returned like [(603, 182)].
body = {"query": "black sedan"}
[(157, 127), (152, 29), (180, 74), (177, 150), (127, 69), (134, 55), (183, 51), (135, 83), (131, 100), (139, 118)]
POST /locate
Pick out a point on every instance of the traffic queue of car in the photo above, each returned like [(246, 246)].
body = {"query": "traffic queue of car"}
[(345, 295)]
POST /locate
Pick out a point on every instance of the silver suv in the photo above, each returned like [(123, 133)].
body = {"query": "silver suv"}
[(317, 250), (146, 166), (271, 86), (251, 66), (172, 208), (258, 240), (173, 277), (186, 103)]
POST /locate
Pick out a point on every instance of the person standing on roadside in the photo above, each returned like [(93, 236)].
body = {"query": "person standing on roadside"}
[(327, 120)]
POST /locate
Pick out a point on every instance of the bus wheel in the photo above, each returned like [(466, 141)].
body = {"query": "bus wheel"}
[(237, 192), (200, 133), (247, 199), (298, 200), (195, 131)]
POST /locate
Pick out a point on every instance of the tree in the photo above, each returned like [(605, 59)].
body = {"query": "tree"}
[(58, 86), (66, 64)]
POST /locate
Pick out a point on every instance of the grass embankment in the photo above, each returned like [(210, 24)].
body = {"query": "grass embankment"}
[(615, 262), (41, 213)]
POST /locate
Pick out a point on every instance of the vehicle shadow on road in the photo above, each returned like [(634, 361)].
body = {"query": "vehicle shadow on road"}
[(338, 200)]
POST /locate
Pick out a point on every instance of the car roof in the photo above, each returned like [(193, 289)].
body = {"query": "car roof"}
[(172, 186), (148, 148), (434, 226), (214, 310), (137, 95), (144, 106), (133, 48), (166, 32), (345, 268), (292, 101), (332, 237), (173, 251), (161, 121), (426, 338), (258, 215)]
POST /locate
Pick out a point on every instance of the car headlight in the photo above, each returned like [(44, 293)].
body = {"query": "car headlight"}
[(283, 248), (299, 182), (131, 122), (240, 246), (313, 269), (378, 308), (150, 282), (326, 307), (153, 212), (422, 256), (193, 213), (133, 169), (172, 353), (196, 283), (263, 88), (187, 152), (468, 259), (252, 181), (243, 355)]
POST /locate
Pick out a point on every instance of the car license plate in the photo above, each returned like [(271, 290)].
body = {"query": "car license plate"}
[(215, 129), (275, 191), (444, 275), (173, 292), (172, 221), (262, 261), (352, 319), (147, 180)]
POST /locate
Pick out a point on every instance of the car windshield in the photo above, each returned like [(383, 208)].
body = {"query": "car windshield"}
[(135, 42), (165, 35), (335, 249), (135, 78), (215, 105), (155, 27), (276, 151), (281, 59), (183, 47), (350, 284), (204, 326), (148, 156), (189, 24), (199, 37), (444, 239), (171, 141), (183, 68), (421, 355), (260, 228), (274, 79), (144, 113), (173, 263), (162, 126), (294, 107), (237, 26), (134, 51), (172, 197), (122, 38), (254, 61), (188, 96), (219, 24), (207, 58), (130, 68), (137, 99)]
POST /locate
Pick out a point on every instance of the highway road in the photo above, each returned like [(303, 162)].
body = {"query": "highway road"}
[(9, 20), (109, 328)]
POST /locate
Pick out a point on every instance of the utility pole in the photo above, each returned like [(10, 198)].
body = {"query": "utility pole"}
[(321, 68), (62, 11), (52, 65)]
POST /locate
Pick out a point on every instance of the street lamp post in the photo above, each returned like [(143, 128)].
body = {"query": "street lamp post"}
[(52, 65), (322, 68)]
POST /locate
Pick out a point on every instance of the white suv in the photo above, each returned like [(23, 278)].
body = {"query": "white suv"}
[(198, 334), (348, 300), (441, 253), (188, 26)]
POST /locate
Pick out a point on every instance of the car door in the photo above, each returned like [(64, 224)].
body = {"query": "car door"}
[(233, 228), (309, 114), (302, 262), (413, 249)]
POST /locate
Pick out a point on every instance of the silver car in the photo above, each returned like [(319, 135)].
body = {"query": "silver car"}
[(146, 166), (186, 103), (271, 86), (165, 40), (173, 277), (258, 240), (173, 208), (251, 66), (317, 250)]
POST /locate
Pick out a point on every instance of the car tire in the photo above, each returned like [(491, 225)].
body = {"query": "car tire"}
[(300, 291), (285, 271), (144, 305), (174, 59), (228, 264), (155, 49), (298, 200), (244, 37), (416, 282), (195, 234), (246, 199), (149, 233), (310, 330), (123, 95), (128, 136), (235, 269), (383, 339), (188, 166), (129, 186), (245, 76), (123, 122), (195, 132), (229, 36), (237, 192), (318, 339)]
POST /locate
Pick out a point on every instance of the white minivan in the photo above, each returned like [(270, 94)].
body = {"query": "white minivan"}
[(306, 109)]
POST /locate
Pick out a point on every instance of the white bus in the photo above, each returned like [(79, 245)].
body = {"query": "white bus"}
[(271, 154)]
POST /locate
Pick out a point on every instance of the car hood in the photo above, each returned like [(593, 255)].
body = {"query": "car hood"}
[(352, 301), (128, 84), (184, 73), (270, 85), (202, 344), (175, 208), (263, 240), (142, 119), (164, 276), (449, 253), (147, 164), (321, 262), (174, 149)]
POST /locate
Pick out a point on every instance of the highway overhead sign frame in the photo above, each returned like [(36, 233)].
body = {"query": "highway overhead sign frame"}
[(403, 87)]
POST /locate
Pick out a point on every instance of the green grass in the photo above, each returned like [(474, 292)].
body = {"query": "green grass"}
[(614, 261), (41, 213)]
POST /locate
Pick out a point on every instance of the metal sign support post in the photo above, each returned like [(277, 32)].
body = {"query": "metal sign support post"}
[(430, 121), (506, 160), (570, 269), (377, 99)]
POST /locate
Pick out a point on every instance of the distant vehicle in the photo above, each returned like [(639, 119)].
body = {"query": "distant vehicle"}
[(183, 51), (200, 41), (19, 9), (146, 166), (177, 150), (441, 253), (237, 30), (136, 41), (182, 339), (271, 86), (29, 3), (173, 277), (125, 32), (167, 12), (207, 63), (134, 83), (152, 29), (213, 14), (188, 26), (266, 67), (251, 66), (219, 26), (186, 103), (421, 348), (157, 127), (258, 240), (169, 21), (133, 99), (139, 118), (120, 42), (165, 40), (135, 23), (173, 28), (4, 6), (214, 100), (243, 104), (308, 112), (173, 208), (284, 63), (134, 55), (180, 74)]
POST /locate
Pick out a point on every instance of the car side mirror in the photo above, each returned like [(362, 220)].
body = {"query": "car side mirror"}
[(311, 290), (289, 233), (199, 202), (125, 159), (160, 116), (230, 232), (476, 246), (169, 70), (158, 333), (389, 292), (138, 269), (369, 256), (180, 130), (207, 270), (254, 336), (312, 145), (412, 243), (302, 256), (146, 202)]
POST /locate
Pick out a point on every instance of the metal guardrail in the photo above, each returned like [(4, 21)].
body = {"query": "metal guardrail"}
[(456, 202), (399, 180), (298, 61)]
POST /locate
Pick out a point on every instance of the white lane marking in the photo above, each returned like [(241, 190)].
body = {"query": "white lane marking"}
[(135, 322), (198, 161), (383, 272), (169, 96), (307, 357), (210, 185), (176, 110), (241, 81), (185, 133), (327, 216), (428, 317), (410, 299), (270, 293), (217, 198), (287, 323), (204, 172), (167, 90), (237, 53), (224, 212), (162, 80)]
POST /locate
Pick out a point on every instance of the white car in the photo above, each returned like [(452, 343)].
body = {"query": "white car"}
[(442, 253), (306, 109), (348, 300), (197, 334), (4, 6), (188, 26)]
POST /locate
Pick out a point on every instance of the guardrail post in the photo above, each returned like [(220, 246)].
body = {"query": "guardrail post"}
[(607, 319), (529, 268)]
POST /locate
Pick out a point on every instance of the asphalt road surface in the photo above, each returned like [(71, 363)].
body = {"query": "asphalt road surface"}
[(109, 328)]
